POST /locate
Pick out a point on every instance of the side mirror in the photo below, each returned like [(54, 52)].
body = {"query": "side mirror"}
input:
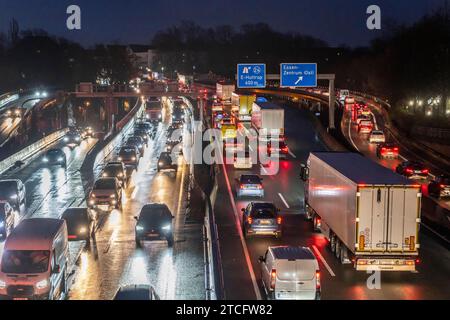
[(261, 259), (56, 269), (304, 173)]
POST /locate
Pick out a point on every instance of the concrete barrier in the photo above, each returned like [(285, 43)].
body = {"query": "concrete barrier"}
[(30, 152)]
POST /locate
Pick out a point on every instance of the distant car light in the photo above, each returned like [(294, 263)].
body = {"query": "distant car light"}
[(168, 227), (82, 230)]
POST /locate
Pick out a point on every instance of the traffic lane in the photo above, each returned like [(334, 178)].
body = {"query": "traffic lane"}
[(114, 259)]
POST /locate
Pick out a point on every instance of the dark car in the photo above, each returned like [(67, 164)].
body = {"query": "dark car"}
[(130, 156), (55, 157), (138, 142), (261, 218), (143, 134), (387, 150), (281, 150), (13, 191), (115, 170), (81, 224), (6, 219), (412, 170), (87, 132), (136, 292), (154, 223), (165, 163), (72, 138), (144, 126), (440, 187)]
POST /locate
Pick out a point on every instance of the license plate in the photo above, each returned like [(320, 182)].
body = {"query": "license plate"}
[(418, 172), (153, 235), (20, 298), (266, 222)]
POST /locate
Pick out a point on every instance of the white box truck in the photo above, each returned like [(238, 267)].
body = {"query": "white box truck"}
[(268, 120), (369, 214), (225, 91)]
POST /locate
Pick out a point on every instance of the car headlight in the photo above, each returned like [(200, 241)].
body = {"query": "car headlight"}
[(82, 230), (66, 139), (161, 163), (42, 284), (77, 138), (134, 158), (105, 175), (2, 284), (13, 197), (119, 158), (113, 196), (167, 228), (93, 195), (139, 228), (2, 224), (160, 116), (45, 159), (120, 174), (60, 159)]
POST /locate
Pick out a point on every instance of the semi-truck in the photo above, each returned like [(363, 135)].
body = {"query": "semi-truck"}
[(242, 104), (369, 214), (154, 110), (225, 91), (268, 120)]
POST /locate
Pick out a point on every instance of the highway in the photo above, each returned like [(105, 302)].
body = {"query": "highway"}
[(240, 256), (112, 259)]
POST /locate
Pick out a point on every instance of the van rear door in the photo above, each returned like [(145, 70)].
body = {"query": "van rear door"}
[(296, 279)]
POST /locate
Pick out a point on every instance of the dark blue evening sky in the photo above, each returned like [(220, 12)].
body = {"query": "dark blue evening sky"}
[(136, 21)]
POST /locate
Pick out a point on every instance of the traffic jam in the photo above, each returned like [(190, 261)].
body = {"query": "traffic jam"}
[(47, 249)]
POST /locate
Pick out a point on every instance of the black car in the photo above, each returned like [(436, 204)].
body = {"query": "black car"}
[(138, 142), (72, 138), (13, 191), (55, 157), (81, 223), (136, 293), (154, 223), (116, 170), (165, 163), (130, 156), (143, 134), (6, 219), (440, 187), (143, 126), (412, 170), (261, 218)]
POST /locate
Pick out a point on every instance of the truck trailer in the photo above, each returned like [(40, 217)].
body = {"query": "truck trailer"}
[(225, 91), (242, 104), (268, 121), (369, 214)]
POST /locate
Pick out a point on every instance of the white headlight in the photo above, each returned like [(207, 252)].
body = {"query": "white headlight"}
[(82, 230), (168, 227), (60, 159), (66, 139), (139, 228), (14, 196), (161, 163), (42, 284), (45, 160), (2, 224), (2, 284)]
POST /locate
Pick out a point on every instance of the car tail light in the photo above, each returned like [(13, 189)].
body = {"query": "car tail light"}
[(425, 171), (383, 150), (396, 149), (279, 220), (259, 187), (317, 280), (408, 170), (442, 186), (249, 220), (417, 261), (242, 186), (285, 149), (273, 278)]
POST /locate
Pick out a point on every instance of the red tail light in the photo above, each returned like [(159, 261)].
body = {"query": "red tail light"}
[(417, 261), (279, 220), (317, 280), (408, 170), (442, 186), (242, 186), (249, 220), (285, 149), (425, 171), (260, 187), (273, 278), (396, 149)]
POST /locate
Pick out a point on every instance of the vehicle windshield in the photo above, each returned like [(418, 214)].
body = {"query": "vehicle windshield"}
[(54, 152), (112, 170), (127, 152), (263, 211), (105, 184), (25, 261), (250, 180)]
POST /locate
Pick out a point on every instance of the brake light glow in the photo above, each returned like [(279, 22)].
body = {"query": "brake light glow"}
[(317, 280), (425, 171), (273, 277), (249, 220), (409, 170), (279, 220)]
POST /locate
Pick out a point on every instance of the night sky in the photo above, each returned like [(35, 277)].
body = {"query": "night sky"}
[(136, 21)]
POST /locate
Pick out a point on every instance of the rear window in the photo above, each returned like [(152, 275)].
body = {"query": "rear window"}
[(127, 151), (105, 184), (263, 212), (250, 180), (54, 152)]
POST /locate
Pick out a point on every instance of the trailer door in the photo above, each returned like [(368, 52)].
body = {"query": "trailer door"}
[(404, 205), (373, 216)]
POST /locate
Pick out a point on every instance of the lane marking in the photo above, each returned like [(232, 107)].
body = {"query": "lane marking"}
[(292, 154), (350, 134), (319, 255), (264, 169), (284, 200), (241, 236)]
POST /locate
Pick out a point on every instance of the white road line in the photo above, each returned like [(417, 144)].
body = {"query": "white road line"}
[(264, 170), (374, 120), (292, 154), (323, 261), (135, 191), (243, 243), (284, 201), (350, 134)]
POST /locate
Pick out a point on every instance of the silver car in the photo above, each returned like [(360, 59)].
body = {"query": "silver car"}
[(249, 185), (261, 218)]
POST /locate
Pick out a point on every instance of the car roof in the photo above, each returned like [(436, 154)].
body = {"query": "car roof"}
[(75, 211), (292, 253), (263, 204)]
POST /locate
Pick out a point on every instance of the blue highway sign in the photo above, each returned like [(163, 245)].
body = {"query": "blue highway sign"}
[(251, 75), (298, 75)]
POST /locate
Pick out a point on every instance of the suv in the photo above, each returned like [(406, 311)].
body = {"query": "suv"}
[(72, 138), (412, 170), (81, 224), (115, 170), (290, 273), (154, 223), (106, 192), (165, 163), (130, 156), (261, 218)]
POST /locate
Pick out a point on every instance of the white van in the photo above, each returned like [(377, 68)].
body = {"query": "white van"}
[(34, 261), (290, 273)]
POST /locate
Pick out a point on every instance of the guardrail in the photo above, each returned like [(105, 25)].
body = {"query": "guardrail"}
[(32, 150)]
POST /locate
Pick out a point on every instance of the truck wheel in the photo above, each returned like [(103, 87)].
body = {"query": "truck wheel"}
[(343, 255), (333, 243), (337, 251)]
